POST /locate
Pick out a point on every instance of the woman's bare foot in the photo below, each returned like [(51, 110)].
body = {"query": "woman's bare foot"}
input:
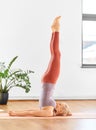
[(56, 26)]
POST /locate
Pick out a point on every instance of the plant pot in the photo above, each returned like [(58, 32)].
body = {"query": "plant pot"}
[(4, 98)]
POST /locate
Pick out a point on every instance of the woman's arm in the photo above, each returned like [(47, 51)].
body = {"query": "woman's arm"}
[(44, 112)]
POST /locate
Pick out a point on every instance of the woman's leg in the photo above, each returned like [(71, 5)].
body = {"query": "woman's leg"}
[(51, 75), (53, 70)]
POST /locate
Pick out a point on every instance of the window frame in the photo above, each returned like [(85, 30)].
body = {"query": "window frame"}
[(87, 17)]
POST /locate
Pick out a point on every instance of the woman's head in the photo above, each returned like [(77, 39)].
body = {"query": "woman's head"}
[(62, 109)]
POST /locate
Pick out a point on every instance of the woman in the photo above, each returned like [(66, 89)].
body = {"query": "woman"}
[(48, 106)]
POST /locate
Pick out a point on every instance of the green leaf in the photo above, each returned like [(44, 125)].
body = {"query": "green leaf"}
[(14, 73), (6, 73), (11, 62), (27, 88), (1, 74)]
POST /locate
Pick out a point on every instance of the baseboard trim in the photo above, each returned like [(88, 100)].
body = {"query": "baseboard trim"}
[(56, 98)]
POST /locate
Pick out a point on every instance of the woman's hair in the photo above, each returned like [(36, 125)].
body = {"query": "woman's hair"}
[(62, 109)]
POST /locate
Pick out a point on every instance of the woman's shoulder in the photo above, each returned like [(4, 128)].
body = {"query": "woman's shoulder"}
[(47, 108)]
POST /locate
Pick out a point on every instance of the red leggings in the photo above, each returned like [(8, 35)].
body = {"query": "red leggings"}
[(52, 73)]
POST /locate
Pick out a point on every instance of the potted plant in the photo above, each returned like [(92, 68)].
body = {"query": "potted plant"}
[(10, 78)]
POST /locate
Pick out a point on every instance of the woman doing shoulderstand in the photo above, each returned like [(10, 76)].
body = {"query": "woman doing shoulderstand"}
[(48, 106)]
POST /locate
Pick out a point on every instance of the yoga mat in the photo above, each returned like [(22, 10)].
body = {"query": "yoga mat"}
[(74, 116)]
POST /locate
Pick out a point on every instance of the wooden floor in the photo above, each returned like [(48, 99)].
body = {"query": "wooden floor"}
[(49, 124)]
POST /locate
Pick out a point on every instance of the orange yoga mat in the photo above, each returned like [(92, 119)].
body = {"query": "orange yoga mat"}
[(74, 116)]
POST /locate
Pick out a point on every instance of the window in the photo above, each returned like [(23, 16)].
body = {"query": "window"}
[(89, 33)]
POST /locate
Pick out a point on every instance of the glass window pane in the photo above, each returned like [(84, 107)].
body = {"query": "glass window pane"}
[(89, 6), (89, 42)]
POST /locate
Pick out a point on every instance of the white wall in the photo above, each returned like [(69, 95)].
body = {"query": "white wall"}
[(25, 31)]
